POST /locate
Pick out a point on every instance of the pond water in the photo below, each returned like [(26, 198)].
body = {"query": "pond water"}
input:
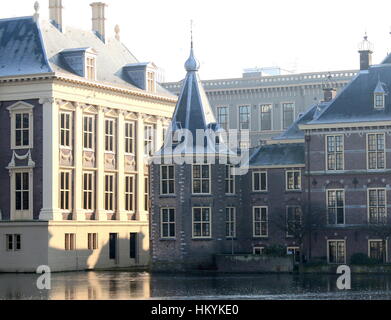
[(140, 285)]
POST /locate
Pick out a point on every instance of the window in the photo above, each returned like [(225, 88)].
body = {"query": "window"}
[(293, 180), (259, 181), (148, 140), (376, 151), (109, 192), (230, 222), (146, 193), (266, 117), (335, 149), (379, 100), (201, 179), (13, 242), (22, 130), (22, 191), (222, 117), (21, 114), (65, 190), (244, 118), (88, 191), (376, 250), (258, 251), (70, 241), (377, 206), (92, 241), (288, 114), (260, 222), (229, 180), (202, 223), (168, 223), (293, 220), (65, 129), (129, 193), (109, 135), (88, 132), (295, 252), (336, 206), (167, 180), (151, 81), (129, 137), (336, 251), (133, 243), (90, 68)]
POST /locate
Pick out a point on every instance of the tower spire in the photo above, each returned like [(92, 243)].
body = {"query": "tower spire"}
[(191, 33), (192, 63)]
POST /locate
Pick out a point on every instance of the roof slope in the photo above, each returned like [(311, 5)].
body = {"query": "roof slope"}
[(356, 102), (21, 48), (284, 154)]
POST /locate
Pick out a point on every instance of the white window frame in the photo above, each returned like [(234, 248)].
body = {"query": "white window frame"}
[(227, 116), (63, 190), (282, 113), (377, 206), (260, 172), (21, 214), (168, 223), (149, 140), (201, 179), (21, 107), (287, 220), (89, 132), (377, 240), (167, 180), (261, 250), (202, 222), (110, 136), (230, 220), (271, 117), (12, 239), (130, 195), (336, 213), (261, 221), (66, 130), (151, 80), (90, 68), (70, 241), (229, 177), (87, 192), (376, 152), (146, 193), (92, 241), (287, 172), (375, 105), (334, 152), (109, 193), (328, 251), (130, 140), (249, 117)]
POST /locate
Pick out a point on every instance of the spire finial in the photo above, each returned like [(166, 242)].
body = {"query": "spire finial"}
[(117, 31), (192, 64), (191, 33), (36, 9)]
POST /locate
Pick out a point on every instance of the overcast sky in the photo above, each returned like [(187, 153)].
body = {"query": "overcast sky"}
[(229, 35)]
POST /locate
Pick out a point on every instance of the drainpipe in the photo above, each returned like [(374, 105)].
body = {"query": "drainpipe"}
[(308, 142)]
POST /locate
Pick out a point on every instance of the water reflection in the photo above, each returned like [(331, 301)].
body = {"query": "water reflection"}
[(125, 285)]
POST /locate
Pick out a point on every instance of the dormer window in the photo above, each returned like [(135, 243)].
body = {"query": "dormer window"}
[(379, 100), (151, 81), (91, 68)]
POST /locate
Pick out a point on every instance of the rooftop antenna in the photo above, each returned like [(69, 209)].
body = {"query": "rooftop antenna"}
[(191, 33)]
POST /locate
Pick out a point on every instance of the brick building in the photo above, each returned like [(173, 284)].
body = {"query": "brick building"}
[(319, 189)]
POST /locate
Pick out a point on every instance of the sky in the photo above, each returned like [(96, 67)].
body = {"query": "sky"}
[(230, 35)]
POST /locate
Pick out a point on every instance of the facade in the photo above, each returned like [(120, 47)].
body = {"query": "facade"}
[(80, 116), (320, 190), (266, 104)]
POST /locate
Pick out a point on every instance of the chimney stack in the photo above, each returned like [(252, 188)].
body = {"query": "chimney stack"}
[(55, 13), (98, 19), (329, 94), (365, 50)]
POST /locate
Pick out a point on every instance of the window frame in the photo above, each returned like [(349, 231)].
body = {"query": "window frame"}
[(377, 206), (230, 180), (336, 206), (328, 251), (21, 107), (288, 220), (130, 140), (70, 242), (260, 248), (383, 100), (65, 130), (202, 222), (149, 140), (167, 180), (284, 103), (239, 117), (92, 241), (287, 172), (63, 190), (12, 239), (110, 193), (90, 67), (260, 184), (335, 152), (261, 221), (201, 179), (90, 134), (169, 223), (218, 108), (110, 137), (130, 194), (18, 214), (230, 223), (271, 117), (377, 152), (378, 240), (89, 192)]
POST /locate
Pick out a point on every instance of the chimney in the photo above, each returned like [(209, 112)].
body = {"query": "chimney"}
[(329, 94), (98, 19), (55, 13), (365, 50)]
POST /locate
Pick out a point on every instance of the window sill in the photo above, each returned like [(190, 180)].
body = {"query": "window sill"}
[(168, 196), (167, 239)]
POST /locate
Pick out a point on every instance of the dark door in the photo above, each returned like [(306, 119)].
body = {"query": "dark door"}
[(113, 246)]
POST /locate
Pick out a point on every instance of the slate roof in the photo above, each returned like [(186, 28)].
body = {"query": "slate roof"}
[(30, 47), (355, 103), (284, 154)]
